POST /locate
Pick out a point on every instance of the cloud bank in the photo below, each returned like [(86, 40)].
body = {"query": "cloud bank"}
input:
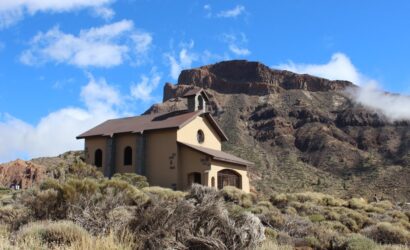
[(370, 94), (106, 46), (11, 11), (56, 132)]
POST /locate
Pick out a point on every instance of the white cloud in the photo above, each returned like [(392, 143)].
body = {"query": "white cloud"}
[(208, 10), (238, 51), (142, 41), (339, 67), (104, 12), (234, 12), (183, 60), (104, 46), (394, 107), (11, 11), (236, 43), (56, 132), (143, 90), (370, 94)]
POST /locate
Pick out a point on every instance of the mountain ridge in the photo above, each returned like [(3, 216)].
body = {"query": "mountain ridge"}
[(303, 132)]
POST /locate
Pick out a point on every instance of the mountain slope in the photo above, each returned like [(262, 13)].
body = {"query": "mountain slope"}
[(303, 132)]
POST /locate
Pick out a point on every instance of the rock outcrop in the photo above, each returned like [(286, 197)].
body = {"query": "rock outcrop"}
[(21, 174)]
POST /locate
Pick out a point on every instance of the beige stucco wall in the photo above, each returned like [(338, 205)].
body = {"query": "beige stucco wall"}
[(192, 161), (162, 158), (168, 163), (91, 145), (121, 142), (188, 134), (217, 166)]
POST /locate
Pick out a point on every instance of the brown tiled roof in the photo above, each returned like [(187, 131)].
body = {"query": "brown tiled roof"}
[(195, 91), (136, 124), (219, 155)]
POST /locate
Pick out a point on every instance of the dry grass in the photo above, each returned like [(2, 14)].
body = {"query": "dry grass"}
[(123, 213)]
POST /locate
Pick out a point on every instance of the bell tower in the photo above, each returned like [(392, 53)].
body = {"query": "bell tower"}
[(197, 100)]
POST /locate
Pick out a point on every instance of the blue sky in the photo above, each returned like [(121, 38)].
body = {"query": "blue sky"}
[(67, 65)]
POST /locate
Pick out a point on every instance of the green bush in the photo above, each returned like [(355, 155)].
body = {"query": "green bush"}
[(131, 195), (384, 204), (60, 233), (14, 216), (137, 181), (271, 233), (356, 203), (316, 218), (81, 170), (359, 242), (279, 200), (235, 195), (387, 233), (164, 193)]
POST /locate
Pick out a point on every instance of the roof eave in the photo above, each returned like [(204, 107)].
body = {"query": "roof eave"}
[(245, 164), (219, 130)]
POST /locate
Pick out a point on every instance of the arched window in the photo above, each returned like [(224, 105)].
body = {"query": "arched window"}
[(128, 156), (200, 136), (200, 102), (194, 177), (98, 158), (229, 177), (213, 182)]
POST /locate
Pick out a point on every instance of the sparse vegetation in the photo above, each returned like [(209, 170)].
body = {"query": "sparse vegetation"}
[(91, 212)]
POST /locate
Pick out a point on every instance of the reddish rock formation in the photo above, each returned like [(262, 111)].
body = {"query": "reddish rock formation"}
[(22, 173)]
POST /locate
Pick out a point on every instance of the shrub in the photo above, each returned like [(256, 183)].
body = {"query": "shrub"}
[(359, 242), (385, 204), (137, 181), (101, 212), (123, 241), (316, 218), (79, 169), (306, 208), (335, 226), (397, 215), (374, 209), (270, 233), (235, 195), (130, 194), (387, 233), (272, 218), (263, 207), (164, 193), (357, 203), (52, 233), (14, 216), (200, 221), (44, 204), (279, 200), (273, 245)]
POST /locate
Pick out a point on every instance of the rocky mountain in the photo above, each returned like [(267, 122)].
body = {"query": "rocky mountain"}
[(303, 132)]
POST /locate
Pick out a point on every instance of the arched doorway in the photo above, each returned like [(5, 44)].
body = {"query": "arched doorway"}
[(128, 156), (98, 158), (194, 177), (229, 177)]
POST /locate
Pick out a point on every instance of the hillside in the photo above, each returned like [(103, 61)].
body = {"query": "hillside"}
[(303, 132)]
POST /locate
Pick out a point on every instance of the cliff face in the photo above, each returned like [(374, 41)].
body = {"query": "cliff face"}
[(303, 132)]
